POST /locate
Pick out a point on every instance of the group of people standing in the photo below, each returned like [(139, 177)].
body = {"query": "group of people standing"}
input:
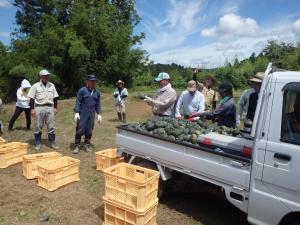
[(40, 101), (203, 100)]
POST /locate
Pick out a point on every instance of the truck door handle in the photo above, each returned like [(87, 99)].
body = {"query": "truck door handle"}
[(282, 156)]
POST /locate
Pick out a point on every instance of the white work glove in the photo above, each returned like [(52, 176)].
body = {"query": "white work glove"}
[(148, 100), (76, 117), (99, 118)]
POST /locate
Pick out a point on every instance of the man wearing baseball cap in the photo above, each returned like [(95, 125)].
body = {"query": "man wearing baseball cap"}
[(163, 101), (43, 103), (191, 101), (246, 107), (87, 104)]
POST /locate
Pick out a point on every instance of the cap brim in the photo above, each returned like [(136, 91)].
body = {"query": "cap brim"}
[(255, 80), (158, 79)]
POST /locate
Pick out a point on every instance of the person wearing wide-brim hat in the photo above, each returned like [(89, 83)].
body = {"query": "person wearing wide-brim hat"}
[(120, 94), (207, 88), (247, 104), (190, 102), (22, 104), (43, 103), (87, 105)]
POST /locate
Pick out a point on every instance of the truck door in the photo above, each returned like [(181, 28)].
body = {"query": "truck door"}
[(281, 173)]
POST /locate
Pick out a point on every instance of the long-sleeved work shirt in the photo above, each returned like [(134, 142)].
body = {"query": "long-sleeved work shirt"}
[(190, 103), (163, 101)]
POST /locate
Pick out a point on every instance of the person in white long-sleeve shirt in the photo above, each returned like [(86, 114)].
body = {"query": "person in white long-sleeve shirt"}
[(22, 105), (191, 101)]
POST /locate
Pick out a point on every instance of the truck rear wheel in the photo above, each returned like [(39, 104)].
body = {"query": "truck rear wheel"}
[(162, 185)]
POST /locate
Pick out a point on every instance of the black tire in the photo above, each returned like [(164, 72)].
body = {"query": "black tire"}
[(162, 185)]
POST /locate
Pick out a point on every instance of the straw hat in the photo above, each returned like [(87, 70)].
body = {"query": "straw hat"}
[(258, 77), (120, 82)]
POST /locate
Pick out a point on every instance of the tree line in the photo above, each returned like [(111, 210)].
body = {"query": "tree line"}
[(71, 38), (282, 55)]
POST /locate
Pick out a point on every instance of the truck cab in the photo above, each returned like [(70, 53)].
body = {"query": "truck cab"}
[(274, 196), (259, 174)]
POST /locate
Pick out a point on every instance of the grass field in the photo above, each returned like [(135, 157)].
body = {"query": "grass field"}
[(23, 202)]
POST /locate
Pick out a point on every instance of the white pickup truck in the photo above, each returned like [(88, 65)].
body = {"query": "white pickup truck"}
[(262, 178)]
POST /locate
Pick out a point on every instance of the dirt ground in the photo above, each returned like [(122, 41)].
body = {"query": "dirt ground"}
[(80, 203)]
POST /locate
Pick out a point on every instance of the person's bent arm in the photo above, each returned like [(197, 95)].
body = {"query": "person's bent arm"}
[(178, 105)]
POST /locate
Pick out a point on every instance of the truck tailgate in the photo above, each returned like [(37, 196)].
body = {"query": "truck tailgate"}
[(190, 159)]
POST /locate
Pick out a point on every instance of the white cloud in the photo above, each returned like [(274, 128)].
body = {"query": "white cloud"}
[(5, 34), (217, 53), (231, 7), (180, 21), (232, 25), (296, 27), (5, 4)]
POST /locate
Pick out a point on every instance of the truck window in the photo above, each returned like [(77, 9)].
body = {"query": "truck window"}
[(290, 125)]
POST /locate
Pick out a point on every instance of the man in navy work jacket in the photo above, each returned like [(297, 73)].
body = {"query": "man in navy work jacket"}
[(225, 112), (87, 104)]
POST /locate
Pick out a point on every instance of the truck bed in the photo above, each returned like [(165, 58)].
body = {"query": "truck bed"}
[(226, 167)]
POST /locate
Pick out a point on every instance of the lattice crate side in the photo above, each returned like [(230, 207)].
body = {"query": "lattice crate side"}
[(31, 161), (58, 172), (116, 214), (134, 186), (107, 158), (12, 153)]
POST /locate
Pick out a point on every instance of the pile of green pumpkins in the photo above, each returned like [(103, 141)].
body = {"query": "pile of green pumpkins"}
[(180, 129)]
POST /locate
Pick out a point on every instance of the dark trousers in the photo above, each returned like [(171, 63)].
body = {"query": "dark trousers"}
[(17, 113)]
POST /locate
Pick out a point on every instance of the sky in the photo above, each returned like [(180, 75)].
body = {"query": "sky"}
[(202, 33)]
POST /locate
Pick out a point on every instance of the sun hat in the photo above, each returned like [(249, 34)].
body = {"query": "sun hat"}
[(91, 77), (120, 82), (25, 84), (44, 73), (192, 86), (258, 77)]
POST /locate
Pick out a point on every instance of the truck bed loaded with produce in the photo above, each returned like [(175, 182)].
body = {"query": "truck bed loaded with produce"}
[(258, 172)]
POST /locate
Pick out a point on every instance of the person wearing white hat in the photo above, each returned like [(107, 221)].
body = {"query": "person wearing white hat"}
[(120, 94), (248, 101), (164, 100), (22, 105), (43, 103)]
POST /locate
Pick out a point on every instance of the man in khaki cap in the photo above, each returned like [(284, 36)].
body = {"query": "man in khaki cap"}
[(248, 101), (191, 101)]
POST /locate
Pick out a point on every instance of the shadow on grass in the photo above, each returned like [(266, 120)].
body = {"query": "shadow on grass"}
[(206, 208), (100, 212)]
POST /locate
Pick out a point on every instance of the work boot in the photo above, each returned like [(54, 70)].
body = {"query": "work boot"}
[(76, 149), (77, 144), (124, 117), (38, 138), (87, 143), (51, 138), (53, 145), (38, 147), (87, 148), (120, 117)]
